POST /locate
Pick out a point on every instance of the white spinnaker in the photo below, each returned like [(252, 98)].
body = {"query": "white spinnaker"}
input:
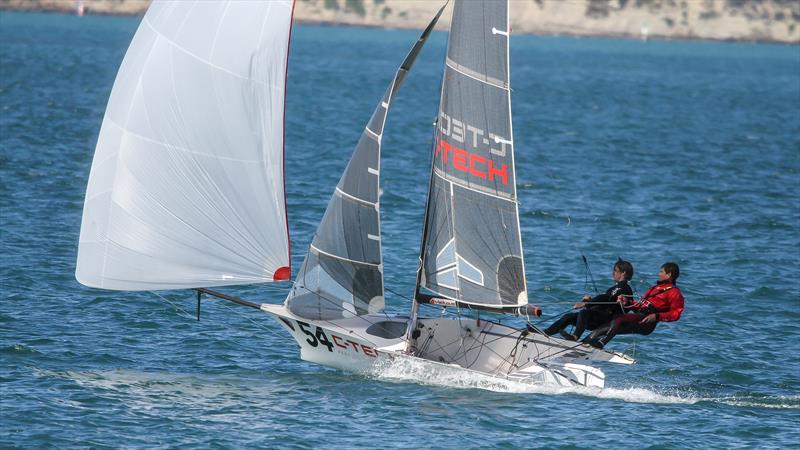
[(186, 187)]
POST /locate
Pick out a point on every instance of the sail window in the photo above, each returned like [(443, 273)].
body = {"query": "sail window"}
[(447, 278), (318, 280), (447, 256), (469, 272)]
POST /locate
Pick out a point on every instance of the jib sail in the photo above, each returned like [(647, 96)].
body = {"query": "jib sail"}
[(342, 275)]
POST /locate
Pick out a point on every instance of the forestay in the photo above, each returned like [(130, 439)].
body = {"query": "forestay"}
[(342, 275), (471, 250), (186, 187)]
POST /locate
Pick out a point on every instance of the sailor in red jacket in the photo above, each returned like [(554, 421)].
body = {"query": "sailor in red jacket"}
[(661, 303)]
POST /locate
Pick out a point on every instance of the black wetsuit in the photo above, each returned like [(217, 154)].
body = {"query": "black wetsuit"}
[(592, 316)]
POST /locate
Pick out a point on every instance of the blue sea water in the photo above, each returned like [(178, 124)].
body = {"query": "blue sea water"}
[(656, 151)]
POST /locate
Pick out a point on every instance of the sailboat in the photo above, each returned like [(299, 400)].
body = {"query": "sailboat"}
[(186, 191)]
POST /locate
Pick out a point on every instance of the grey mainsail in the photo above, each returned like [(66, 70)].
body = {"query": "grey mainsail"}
[(471, 251), (342, 275)]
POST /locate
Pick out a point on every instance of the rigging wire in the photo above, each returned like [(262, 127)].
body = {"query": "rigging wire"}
[(177, 308), (588, 273), (258, 324), (235, 310)]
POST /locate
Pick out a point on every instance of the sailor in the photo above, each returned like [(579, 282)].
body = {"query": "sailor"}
[(596, 311), (661, 303)]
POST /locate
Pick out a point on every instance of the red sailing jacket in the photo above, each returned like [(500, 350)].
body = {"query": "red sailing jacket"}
[(665, 299)]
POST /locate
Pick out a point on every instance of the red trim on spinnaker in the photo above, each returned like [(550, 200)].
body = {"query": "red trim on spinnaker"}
[(285, 205), (282, 274)]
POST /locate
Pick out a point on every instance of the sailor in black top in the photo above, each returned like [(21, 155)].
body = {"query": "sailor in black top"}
[(596, 311)]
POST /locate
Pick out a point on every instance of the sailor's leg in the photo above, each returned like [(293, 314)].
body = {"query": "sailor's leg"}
[(597, 333), (561, 323), (580, 323), (644, 328), (624, 324), (632, 325)]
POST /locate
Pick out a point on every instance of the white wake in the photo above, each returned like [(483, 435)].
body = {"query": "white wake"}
[(411, 370)]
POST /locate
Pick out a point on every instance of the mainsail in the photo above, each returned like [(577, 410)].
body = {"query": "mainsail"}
[(471, 251), (342, 275), (186, 187)]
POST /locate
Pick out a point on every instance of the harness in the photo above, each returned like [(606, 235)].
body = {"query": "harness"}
[(645, 302)]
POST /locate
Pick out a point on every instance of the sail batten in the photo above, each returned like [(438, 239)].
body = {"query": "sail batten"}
[(482, 77), (186, 187), (471, 249), (472, 187), (342, 258)]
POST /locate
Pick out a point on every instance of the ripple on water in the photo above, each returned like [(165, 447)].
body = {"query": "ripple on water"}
[(610, 163)]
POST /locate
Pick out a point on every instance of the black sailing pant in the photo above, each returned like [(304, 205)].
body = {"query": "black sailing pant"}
[(622, 324), (583, 319)]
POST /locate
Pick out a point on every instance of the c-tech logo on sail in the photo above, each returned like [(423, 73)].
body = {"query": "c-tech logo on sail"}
[(465, 161)]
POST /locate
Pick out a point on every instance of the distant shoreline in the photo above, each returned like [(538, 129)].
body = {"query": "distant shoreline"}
[(626, 36), (138, 7)]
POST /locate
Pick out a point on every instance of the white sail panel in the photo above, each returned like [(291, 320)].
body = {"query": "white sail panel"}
[(186, 187)]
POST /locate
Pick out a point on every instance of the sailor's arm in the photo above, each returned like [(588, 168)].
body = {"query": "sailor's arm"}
[(602, 298), (588, 299)]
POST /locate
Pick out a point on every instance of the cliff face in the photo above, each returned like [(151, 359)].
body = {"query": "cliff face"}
[(752, 20)]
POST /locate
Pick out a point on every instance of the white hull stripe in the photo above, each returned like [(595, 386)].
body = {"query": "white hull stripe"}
[(483, 78)]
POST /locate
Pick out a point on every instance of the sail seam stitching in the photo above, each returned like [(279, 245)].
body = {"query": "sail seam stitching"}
[(175, 147), (203, 60), (216, 32)]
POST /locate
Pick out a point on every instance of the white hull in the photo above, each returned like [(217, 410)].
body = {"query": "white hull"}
[(369, 344)]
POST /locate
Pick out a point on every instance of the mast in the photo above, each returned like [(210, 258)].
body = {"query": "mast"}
[(414, 314), (471, 251)]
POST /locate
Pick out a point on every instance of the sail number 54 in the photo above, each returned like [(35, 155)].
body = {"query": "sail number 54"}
[(318, 337)]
